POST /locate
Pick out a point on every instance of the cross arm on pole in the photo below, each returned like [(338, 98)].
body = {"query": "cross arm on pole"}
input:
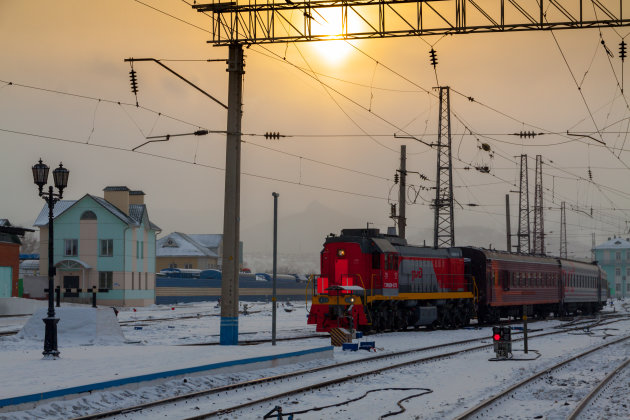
[(179, 76)]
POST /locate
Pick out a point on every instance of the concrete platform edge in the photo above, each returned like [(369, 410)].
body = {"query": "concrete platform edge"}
[(171, 374)]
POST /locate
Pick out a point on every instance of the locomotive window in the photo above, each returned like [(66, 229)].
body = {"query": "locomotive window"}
[(376, 260)]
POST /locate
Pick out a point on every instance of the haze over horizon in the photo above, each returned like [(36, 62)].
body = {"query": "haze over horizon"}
[(339, 108)]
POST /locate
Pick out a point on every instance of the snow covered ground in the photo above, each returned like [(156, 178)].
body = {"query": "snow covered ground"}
[(452, 385)]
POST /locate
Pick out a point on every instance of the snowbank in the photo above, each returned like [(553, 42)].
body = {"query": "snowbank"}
[(76, 327)]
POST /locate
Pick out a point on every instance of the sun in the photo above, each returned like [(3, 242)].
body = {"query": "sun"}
[(327, 24)]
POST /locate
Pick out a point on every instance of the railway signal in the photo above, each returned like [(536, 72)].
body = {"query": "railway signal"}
[(502, 339)]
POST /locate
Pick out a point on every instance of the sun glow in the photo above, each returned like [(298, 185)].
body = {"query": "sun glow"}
[(327, 24)]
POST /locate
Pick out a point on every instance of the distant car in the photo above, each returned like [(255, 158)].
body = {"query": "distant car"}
[(245, 270)]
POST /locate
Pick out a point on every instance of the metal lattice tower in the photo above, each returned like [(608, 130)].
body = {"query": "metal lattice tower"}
[(539, 221), (523, 209), (563, 231), (444, 227)]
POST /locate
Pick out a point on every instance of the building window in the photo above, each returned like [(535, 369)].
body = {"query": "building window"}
[(88, 215), (617, 272), (139, 249), (133, 280), (107, 247), (188, 266), (618, 288), (71, 247), (105, 280), (146, 281), (172, 265), (617, 255)]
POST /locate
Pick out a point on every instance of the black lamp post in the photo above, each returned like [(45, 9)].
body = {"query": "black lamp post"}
[(40, 177)]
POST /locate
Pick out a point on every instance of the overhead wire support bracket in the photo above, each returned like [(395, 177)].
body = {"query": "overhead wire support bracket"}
[(273, 22), (585, 135), (167, 137), (180, 76), (396, 136)]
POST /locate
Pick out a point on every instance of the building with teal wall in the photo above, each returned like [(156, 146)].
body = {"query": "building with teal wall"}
[(613, 256), (107, 243)]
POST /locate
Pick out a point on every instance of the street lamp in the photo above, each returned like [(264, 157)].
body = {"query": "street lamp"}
[(40, 177)]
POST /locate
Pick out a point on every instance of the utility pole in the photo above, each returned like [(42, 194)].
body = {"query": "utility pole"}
[(593, 246), (563, 231), (508, 228), (275, 253), (402, 220), (444, 228), (231, 208), (523, 209), (539, 226)]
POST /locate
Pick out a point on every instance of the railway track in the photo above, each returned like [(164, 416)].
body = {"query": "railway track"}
[(584, 405), (483, 409), (197, 405)]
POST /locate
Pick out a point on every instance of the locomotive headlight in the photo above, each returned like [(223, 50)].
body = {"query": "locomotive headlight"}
[(341, 252), (322, 299), (349, 299)]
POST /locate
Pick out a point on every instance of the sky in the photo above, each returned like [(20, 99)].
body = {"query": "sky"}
[(339, 108)]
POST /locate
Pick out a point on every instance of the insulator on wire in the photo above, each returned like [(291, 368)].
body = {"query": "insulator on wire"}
[(527, 134), (433, 58), (590, 174), (396, 178), (134, 82), (272, 135), (622, 50)]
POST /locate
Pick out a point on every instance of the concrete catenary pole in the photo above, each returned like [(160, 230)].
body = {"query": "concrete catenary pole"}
[(508, 228), (231, 209), (275, 253), (402, 220)]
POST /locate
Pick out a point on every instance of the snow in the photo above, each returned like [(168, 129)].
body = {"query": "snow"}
[(455, 383), (77, 326)]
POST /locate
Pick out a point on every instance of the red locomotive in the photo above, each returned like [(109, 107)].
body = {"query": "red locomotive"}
[(376, 282)]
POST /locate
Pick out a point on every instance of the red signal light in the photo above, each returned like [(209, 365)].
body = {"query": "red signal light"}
[(496, 337)]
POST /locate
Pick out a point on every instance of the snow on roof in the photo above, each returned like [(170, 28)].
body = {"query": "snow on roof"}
[(615, 243), (207, 240), (136, 211), (60, 207), (179, 244)]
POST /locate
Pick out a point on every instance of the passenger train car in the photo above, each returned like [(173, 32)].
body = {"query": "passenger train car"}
[(373, 281), (184, 286)]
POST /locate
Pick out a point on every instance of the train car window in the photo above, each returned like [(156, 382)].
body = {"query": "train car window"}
[(376, 260), (396, 262)]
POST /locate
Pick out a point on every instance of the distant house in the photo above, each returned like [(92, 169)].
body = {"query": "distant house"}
[(613, 256), (104, 242), (198, 251), (10, 257)]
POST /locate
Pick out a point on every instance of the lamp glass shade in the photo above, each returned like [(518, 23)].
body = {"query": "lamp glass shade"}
[(40, 174), (60, 175)]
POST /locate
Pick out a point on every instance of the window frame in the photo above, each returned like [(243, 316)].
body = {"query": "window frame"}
[(109, 248), (74, 247), (106, 278)]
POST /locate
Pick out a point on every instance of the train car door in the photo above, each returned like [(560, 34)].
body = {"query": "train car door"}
[(390, 274)]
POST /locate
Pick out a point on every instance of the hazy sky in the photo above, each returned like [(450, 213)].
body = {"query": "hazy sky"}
[(78, 47)]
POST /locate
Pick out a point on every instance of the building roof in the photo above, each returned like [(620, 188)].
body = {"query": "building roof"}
[(135, 217), (177, 244), (10, 234), (207, 240), (114, 188), (137, 192), (615, 243)]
